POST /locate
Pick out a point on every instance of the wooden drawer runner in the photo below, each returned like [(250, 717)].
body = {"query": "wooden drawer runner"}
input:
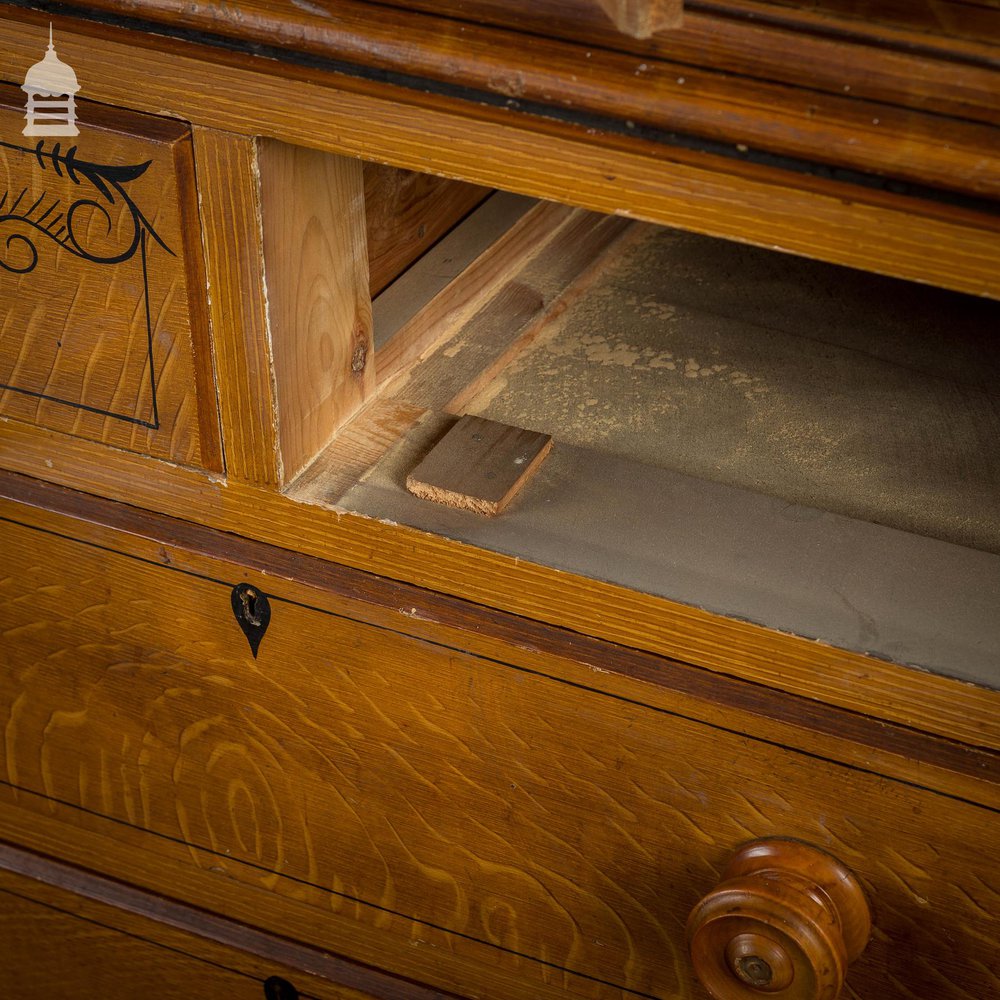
[(480, 808), (103, 330)]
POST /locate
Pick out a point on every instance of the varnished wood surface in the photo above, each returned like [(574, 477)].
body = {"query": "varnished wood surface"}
[(280, 906), (102, 324), (49, 952), (319, 308), (713, 31), (603, 171), (787, 918), (68, 929), (149, 729), (943, 765), (643, 18), (671, 96)]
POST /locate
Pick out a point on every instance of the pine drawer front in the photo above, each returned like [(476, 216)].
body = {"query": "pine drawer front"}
[(474, 806), (103, 330)]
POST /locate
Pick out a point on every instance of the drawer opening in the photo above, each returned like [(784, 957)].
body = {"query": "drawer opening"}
[(762, 435)]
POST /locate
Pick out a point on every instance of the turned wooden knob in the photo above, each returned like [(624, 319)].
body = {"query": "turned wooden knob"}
[(784, 923)]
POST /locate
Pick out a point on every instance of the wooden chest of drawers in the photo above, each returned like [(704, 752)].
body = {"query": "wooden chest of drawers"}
[(274, 726)]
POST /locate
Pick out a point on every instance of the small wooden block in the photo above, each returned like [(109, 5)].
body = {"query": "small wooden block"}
[(479, 465)]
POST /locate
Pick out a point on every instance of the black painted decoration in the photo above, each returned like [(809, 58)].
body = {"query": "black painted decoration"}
[(102, 190), (252, 611)]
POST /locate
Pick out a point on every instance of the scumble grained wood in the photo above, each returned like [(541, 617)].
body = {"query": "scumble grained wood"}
[(319, 308), (49, 952), (102, 327), (921, 700), (145, 943), (406, 213), (846, 224), (230, 213), (274, 904), (660, 683), (362, 761)]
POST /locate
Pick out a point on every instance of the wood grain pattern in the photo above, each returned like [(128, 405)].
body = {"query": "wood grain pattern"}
[(406, 213), (319, 307), (936, 56), (479, 465), (883, 232), (834, 129), (230, 214), (787, 918), (445, 787), (643, 18), (48, 952), (146, 943), (356, 448), (102, 323), (443, 312), (276, 905), (917, 699), (660, 683)]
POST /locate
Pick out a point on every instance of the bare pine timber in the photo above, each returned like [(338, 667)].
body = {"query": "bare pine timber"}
[(442, 311), (406, 213), (230, 219), (479, 465), (319, 307)]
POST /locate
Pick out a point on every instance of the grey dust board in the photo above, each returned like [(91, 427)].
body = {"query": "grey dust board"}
[(847, 582)]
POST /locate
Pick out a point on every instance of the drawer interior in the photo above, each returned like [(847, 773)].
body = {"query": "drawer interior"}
[(759, 434)]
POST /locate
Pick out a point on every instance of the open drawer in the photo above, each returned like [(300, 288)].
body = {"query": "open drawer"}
[(767, 437)]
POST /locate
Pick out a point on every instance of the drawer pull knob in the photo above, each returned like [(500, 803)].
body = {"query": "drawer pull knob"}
[(785, 922)]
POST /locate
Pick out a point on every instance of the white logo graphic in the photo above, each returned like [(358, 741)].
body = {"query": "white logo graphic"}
[(50, 86)]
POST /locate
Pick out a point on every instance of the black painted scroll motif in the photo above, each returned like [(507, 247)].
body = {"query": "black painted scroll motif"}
[(83, 209)]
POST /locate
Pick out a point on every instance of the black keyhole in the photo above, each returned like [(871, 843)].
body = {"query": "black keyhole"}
[(277, 988), (249, 598), (252, 611)]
